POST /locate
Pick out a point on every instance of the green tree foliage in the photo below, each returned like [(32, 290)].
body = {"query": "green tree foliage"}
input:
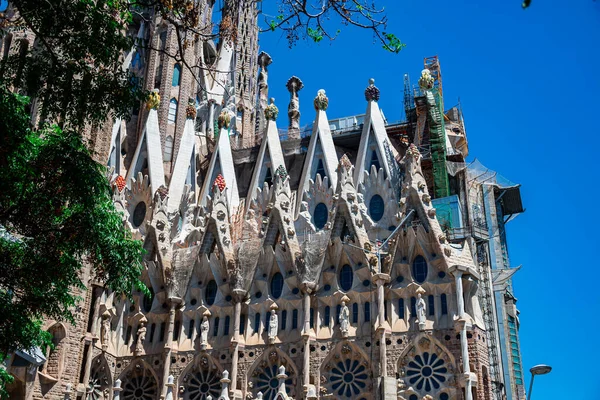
[(56, 215)]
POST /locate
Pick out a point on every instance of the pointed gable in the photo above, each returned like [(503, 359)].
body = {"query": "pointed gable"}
[(375, 148), (149, 149), (321, 155), (270, 155), (183, 163), (222, 163)]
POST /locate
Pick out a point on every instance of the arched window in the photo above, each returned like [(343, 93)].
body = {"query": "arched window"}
[(161, 334), (276, 285), (419, 269), (355, 313), (338, 311), (367, 311), (346, 277), (401, 308), (320, 216), (55, 356), (226, 328), (148, 300), (283, 320), (444, 302), (211, 292), (326, 316), (385, 310), (176, 75), (431, 301), (375, 160), (176, 330), (256, 322), (376, 207), (242, 323), (172, 117), (320, 170), (191, 327), (216, 326), (295, 319), (413, 306), (312, 318), (152, 330), (168, 149)]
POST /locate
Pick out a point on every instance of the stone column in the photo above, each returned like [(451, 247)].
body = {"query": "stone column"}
[(461, 325), (235, 341), (380, 279), (294, 85), (306, 338), (170, 385), (168, 347), (117, 390), (91, 337)]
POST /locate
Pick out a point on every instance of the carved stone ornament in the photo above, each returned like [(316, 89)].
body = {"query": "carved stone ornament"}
[(371, 92), (413, 151), (220, 182), (345, 162), (153, 100), (321, 102), (271, 111), (431, 213)]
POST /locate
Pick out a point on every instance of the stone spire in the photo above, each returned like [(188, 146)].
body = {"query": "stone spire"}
[(264, 60), (225, 386), (294, 85)]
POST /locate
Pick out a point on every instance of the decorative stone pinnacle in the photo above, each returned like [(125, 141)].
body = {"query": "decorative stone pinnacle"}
[(153, 100), (294, 84), (321, 102), (224, 119), (345, 162), (271, 111), (120, 183), (281, 173), (371, 92), (413, 151)]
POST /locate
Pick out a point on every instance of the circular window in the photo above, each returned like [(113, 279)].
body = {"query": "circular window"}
[(139, 213), (413, 397), (419, 269), (211, 292), (346, 277), (376, 208), (444, 396), (320, 216), (427, 371), (276, 285)]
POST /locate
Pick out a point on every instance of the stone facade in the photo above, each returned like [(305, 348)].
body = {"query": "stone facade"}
[(242, 229)]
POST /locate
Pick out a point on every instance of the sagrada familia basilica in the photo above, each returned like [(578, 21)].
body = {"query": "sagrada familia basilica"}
[(349, 258)]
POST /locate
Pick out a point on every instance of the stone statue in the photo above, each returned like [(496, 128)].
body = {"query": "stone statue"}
[(273, 326), (421, 308), (105, 329), (204, 327), (139, 346), (344, 319), (294, 85)]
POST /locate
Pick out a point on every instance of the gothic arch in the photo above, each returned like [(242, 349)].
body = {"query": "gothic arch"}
[(346, 373), (100, 382), (51, 371), (426, 367), (263, 374), (201, 378), (139, 382)]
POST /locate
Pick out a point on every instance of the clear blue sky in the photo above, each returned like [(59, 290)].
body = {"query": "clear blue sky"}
[(529, 86)]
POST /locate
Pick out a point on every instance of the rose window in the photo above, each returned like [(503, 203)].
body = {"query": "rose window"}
[(140, 387), (201, 384), (426, 371), (348, 378), (267, 382)]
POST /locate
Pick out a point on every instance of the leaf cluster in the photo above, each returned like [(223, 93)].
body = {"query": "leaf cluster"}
[(56, 217)]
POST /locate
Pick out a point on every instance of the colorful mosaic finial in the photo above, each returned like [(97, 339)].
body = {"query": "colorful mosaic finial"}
[(413, 151), (345, 162), (271, 111), (371, 92), (219, 182), (321, 101), (281, 173), (153, 100), (190, 110), (426, 81), (224, 120), (120, 183)]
